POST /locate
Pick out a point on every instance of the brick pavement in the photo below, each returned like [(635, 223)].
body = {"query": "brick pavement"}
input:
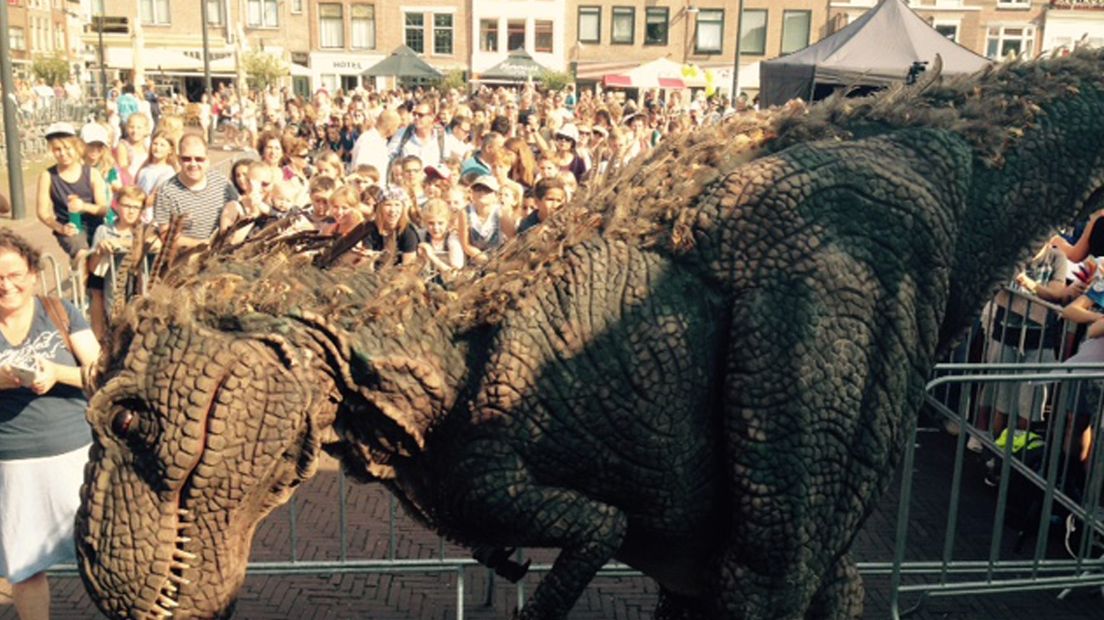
[(424, 597)]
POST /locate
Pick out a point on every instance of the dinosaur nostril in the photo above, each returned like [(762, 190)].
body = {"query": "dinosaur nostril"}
[(120, 424)]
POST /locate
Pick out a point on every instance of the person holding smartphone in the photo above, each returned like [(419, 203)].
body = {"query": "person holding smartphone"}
[(44, 437)]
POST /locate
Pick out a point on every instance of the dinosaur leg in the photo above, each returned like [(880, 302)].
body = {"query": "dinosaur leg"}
[(815, 403), (841, 594), (676, 607), (508, 509)]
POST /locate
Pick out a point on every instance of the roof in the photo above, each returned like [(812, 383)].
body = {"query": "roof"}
[(877, 49)]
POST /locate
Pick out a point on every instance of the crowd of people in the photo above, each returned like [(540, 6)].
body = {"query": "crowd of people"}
[(426, 173)]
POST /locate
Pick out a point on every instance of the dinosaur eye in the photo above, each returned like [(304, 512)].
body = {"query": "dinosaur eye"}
[(127, 417), (122, 422)]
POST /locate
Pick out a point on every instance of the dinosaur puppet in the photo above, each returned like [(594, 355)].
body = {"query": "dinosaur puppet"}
[(705, 368)]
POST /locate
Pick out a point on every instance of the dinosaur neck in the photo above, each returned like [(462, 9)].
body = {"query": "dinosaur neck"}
[(1048, 176)]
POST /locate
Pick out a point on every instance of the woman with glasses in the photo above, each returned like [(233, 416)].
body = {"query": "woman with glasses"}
[(564, 153), (44, 437)]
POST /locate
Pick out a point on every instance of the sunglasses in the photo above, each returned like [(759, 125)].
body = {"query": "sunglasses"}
[(421, 114), (188, 160)]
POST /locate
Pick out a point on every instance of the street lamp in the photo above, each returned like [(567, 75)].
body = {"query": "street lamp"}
[(103, 68), (736, 62), (11, 125), (207, 70)]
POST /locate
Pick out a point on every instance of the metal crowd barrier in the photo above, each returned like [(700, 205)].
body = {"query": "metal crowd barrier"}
[(952, 394), (1058, 395)]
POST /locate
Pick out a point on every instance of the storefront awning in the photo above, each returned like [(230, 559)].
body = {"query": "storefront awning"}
[(167, 60), (627, 81)]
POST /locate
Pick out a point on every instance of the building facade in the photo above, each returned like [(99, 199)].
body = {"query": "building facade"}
[(162, 40), (40, 28), (500, 26), (349, 36), (329, 43)]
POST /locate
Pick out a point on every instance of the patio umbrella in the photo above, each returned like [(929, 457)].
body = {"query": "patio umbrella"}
[(519, 66), (402, 63)]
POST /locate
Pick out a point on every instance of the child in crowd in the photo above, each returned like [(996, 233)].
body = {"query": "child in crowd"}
[(110, 244), (441, 247), (328, 164), (550, 197), (485, 228), (133, 150), (160, 166), (256, 202), (321, 188), (97, 154), (345, 210)]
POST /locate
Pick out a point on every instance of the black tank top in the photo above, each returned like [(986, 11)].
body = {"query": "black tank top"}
[(60, 189)]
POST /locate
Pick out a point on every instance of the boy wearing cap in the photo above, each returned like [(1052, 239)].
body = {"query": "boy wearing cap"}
[(485, 226)]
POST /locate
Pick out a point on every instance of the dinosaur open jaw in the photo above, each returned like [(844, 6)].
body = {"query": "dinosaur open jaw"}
[(182, 560)]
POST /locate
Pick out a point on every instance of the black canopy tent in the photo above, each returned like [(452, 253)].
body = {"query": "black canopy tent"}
[(403, 63), (518, 66), (875, 50)]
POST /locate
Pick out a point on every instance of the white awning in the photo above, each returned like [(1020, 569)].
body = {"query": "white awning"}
[(169, 60)]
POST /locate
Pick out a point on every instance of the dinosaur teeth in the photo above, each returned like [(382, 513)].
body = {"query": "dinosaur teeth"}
[(183, 540), (167, 603), (182, 554), (178, 565), (177, 579)]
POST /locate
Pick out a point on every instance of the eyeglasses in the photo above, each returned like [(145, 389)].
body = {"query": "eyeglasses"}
[(420, 114), (187, 159), (15, 278)]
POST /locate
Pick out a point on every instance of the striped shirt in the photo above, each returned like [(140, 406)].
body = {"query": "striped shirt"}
[(201, 208)]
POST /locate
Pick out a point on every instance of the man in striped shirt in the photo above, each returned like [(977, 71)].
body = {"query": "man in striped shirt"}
[(196, 193)]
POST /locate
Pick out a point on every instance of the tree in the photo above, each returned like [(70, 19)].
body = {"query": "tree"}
[(263, 69), (54, 69), (457, 78), (554, 80)]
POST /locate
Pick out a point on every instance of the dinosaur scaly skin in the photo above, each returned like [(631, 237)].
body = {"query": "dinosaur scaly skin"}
[(706, 369)]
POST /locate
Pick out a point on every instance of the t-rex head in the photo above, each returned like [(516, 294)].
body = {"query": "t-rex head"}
[(199, 432)]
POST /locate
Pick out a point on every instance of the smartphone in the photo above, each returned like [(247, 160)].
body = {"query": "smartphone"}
[(26, 374)]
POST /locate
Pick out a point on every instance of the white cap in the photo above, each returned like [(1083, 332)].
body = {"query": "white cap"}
[(60, 130), (92, 133), (569, 131)]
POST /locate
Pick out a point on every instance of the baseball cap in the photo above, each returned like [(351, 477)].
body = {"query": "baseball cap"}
[(487, 181), (92, 133), (60, 130), (569, 131), (440, 171)]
